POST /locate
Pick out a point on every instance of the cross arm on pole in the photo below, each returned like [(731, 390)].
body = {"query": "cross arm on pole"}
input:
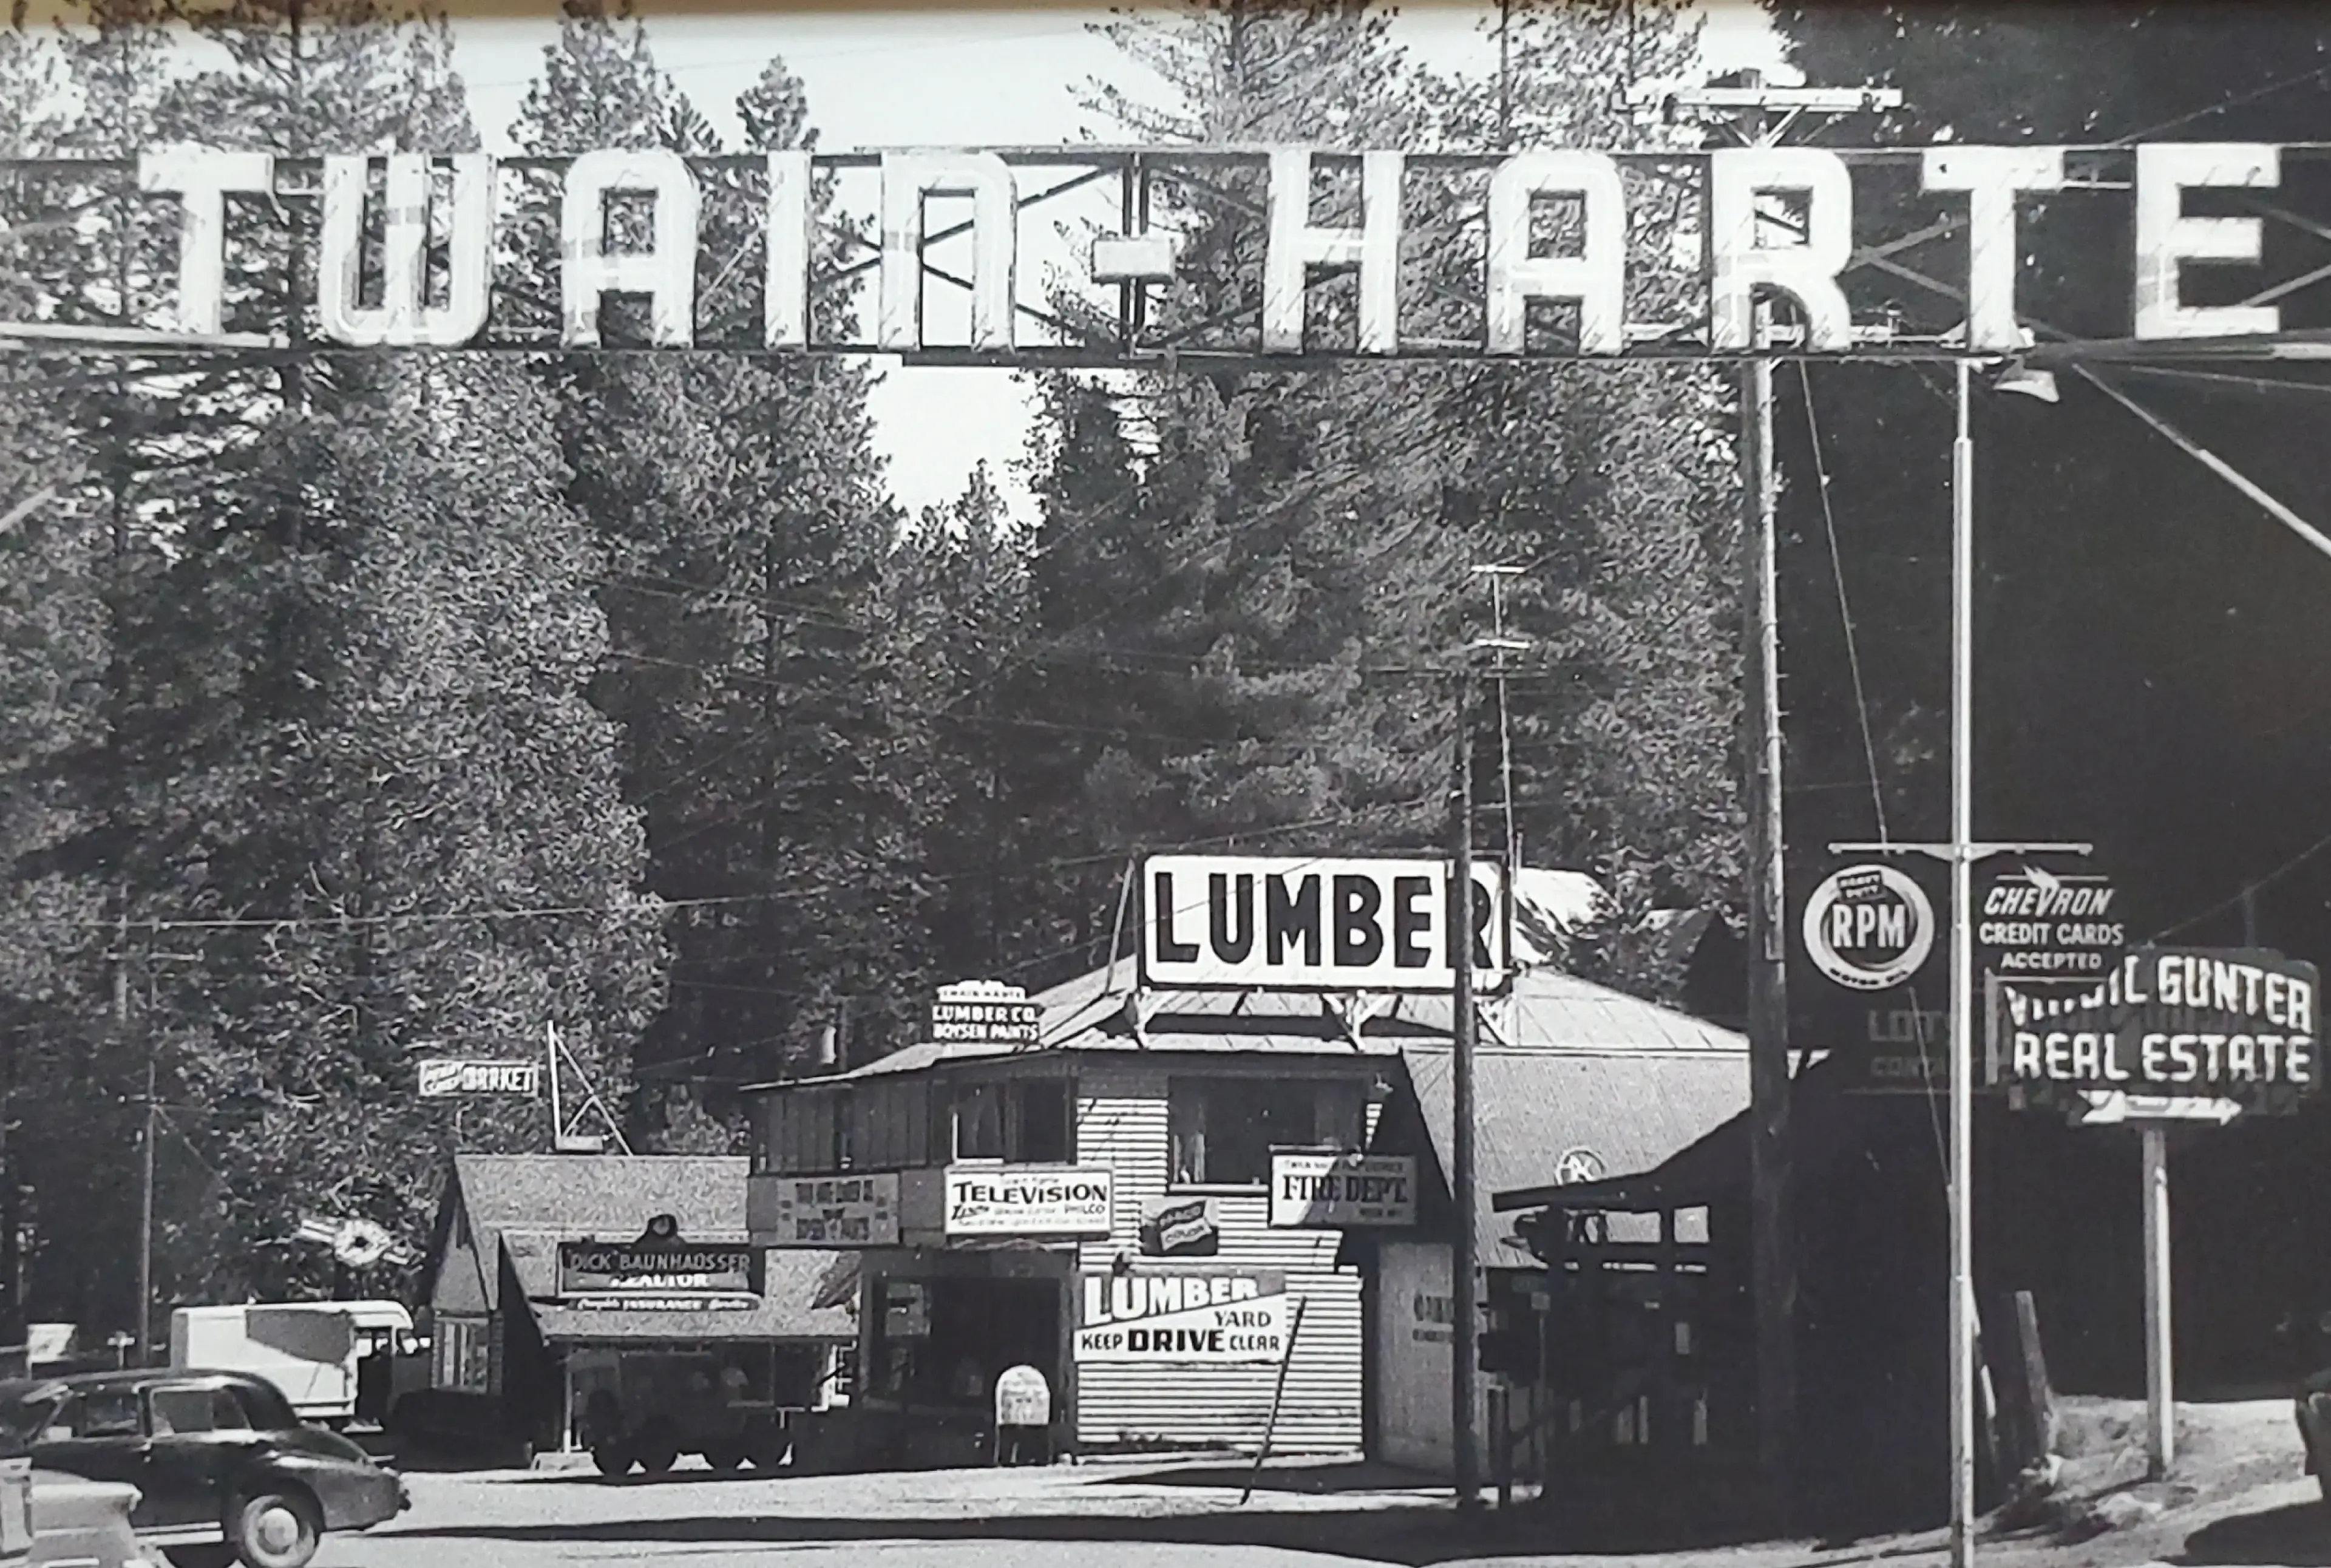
[(1971, 852)]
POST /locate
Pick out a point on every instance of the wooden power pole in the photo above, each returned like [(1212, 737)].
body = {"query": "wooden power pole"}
[(1756, 115)]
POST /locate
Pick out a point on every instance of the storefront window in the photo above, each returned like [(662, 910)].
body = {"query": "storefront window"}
[(1224, 1129)]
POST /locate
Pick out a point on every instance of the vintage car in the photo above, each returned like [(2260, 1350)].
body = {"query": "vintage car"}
[(223, 1469)]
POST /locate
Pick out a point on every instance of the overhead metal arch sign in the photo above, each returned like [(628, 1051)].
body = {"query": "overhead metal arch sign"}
[(1546, 253)]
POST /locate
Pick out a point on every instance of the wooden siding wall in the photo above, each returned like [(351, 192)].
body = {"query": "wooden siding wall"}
[(1122, 1123)]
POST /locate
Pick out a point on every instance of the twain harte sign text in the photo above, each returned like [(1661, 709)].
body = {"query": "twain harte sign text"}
[(1217, 1320), (1593, 280), (2239, 1024)]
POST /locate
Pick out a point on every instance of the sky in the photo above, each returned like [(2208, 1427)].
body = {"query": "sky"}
[(947, 78)]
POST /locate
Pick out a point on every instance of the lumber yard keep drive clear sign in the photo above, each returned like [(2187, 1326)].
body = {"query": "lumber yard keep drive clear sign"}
[(1310, 924), (1217, 1319), (2239, 1024)]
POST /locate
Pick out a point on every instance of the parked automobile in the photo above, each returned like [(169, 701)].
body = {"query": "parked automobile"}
[(224, 1469), (2314, 1412)]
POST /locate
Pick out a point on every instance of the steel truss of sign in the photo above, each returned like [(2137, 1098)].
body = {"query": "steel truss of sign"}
[(1213, 258)]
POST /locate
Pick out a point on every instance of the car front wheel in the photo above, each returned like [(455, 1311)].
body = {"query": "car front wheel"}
[(275, 1529)]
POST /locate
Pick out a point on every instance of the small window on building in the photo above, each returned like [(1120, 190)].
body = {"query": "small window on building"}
[(462, 1354), (1045, 1131), (979, 1122), (1223, 1130)]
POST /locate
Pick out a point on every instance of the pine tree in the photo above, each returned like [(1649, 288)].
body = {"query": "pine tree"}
[(739, 503)]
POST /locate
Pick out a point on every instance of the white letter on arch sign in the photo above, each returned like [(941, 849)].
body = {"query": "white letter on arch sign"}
[(1596, 278), (1806, 271), (1296, 248), (403, 319), (1992, 177), (201, 177), (907, 179), (666, 272), (2166, 238)]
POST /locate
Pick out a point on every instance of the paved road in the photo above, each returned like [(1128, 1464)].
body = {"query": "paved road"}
[(1052, 1517)]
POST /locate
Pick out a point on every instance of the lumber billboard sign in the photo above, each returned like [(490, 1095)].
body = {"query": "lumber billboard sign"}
[(1305, 923), (1673, 245)]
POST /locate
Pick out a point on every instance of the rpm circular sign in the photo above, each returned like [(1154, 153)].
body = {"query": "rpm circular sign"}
[(1869, 927)]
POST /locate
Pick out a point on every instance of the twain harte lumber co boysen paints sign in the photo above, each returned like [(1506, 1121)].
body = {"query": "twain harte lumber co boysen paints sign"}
[(1321, 1191), (2240, 1025), (1028, 1199), (1309, 924), (659, 1264), (1975, 188), (985, 1013), (1217, 1319)]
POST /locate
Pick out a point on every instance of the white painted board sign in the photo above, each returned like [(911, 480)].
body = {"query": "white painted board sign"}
[(1309, 924)]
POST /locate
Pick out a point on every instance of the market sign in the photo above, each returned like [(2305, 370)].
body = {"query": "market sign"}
[(1186, 1318), (660, 1263), (985, 1013), (1316, 1191), (1304, 923), (823, 1212), (388, 227), (440, 1078), (2239, 1025), (1028, 1199), (2034, 921)]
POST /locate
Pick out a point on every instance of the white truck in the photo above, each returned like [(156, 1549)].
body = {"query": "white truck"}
[(320, 1354)]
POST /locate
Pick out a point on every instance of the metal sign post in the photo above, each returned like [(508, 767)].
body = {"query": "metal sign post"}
[(2160, 1394)]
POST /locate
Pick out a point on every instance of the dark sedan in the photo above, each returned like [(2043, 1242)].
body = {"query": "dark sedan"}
[(224, 1468)]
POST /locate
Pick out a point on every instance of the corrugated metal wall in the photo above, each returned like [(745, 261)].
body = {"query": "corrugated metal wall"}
[(1122, 1123)]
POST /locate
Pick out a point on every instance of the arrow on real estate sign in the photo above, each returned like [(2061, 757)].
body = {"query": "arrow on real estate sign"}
[(2111, 1107)]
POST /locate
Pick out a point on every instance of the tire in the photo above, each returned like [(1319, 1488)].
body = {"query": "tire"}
[(613, 1458), (276, 1528)]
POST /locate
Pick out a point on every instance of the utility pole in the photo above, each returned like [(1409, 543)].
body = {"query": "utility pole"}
[(143, 1337), (1760, 115), (1464, 1350)]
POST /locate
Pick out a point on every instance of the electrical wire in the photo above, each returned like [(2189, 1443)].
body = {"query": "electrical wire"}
[(2259, 886)]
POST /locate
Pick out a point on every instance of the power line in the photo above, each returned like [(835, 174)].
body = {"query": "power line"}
[(2277, 874)]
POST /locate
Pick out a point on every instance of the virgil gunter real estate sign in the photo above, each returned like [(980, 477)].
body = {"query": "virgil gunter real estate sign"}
[(2240, 1026)]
